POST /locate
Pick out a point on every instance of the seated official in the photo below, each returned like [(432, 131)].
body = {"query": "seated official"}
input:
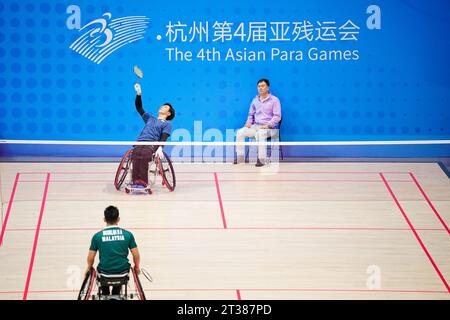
[(263, 121)]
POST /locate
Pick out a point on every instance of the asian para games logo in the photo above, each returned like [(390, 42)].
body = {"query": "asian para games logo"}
[(101, 37)]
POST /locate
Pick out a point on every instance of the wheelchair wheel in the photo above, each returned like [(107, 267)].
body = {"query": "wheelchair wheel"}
[(167, 173), (137, 282), (87, 286), (122, 171)]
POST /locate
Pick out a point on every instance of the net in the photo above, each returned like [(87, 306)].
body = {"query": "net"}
[(216, 151)]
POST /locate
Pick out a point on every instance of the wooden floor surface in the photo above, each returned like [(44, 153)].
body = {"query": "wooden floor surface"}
[(293, 231)]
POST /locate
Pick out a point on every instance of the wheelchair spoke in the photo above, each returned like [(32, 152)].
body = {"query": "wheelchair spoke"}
[(123, 169), (167, 172)]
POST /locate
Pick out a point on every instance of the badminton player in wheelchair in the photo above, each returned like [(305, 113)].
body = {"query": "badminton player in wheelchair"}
[(113, 244), (155, 129)]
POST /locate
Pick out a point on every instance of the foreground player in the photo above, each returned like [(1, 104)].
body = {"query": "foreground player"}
[(155, 129), (113, 243)]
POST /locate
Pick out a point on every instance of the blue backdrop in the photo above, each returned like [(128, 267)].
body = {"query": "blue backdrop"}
[(391, 83)]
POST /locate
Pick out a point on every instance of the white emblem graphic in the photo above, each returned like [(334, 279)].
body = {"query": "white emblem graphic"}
[(103, 36)]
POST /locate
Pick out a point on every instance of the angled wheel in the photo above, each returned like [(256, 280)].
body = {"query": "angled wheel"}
[(123, 169), (87, 286), (167, 173), (137, 282)]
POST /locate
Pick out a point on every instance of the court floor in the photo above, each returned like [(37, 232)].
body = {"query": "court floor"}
[(296, 231)]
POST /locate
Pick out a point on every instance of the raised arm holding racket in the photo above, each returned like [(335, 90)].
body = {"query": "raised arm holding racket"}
[(155, 129)]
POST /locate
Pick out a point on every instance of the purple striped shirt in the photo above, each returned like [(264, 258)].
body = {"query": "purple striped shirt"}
[(265, 112)]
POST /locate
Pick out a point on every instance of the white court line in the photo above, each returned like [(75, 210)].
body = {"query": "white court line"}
[(227, 143)]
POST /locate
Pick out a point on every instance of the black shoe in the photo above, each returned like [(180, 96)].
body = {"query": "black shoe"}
[(259, 163), (239, 160)]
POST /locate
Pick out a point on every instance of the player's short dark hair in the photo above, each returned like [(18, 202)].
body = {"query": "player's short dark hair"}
[(111, 214), (172, 111), (264, 80)]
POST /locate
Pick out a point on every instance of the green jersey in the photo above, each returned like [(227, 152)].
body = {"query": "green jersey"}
[(113, 244)]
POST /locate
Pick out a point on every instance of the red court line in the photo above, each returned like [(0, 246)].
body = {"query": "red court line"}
[(349, 290), (429, 202), (251, 289), (105, 181), (228, 180), (220, 201), (36, 238), (238, 293), (415, 233), (144, 198), (8, 210), (221, 172), (306, 172), (233, 228), (304, 180), (68, 172)]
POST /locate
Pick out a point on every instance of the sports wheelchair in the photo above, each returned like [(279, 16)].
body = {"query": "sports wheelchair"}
[(157, 166), (93, 282)]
